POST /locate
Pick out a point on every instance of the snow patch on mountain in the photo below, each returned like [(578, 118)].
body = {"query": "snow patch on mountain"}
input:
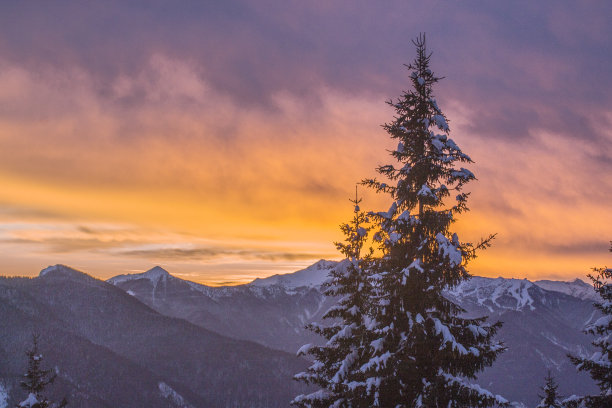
[(154, 275), (576, 288), (214, 293), (168, 393), (63, 271), (207, 290), (59, 270), (548, 362), (500, 292), (313, 276), (554, 340), (3, 396), (51, 269)]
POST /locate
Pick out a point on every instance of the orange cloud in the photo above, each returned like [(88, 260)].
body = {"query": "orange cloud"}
[(223, 192)]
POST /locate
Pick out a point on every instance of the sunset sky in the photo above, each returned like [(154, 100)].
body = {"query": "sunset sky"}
[(223, 139)]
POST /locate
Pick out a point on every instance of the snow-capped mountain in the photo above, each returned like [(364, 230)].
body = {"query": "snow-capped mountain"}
[(111, 350), (154, 274), (542, 321), (271, 311), (312, 277), (577, 288), (540, 327), (128, 330), (494, 294)]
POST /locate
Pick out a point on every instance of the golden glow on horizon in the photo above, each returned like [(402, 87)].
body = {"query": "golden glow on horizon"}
[(219, 193)]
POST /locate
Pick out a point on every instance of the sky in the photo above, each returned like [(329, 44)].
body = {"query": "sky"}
[(223, 140)]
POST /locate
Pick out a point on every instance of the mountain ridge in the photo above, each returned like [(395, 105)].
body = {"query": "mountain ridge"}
[(541, 325), (136, 320), (112, 334), (316, 274)]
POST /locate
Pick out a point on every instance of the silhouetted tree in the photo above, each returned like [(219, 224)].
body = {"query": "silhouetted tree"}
[(551, 398), (397, 341), (599, 365), (425, 350), (36, 380), (337, 364)]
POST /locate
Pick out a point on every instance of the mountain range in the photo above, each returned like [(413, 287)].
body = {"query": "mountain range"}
[(542, 320), (109, 349), (164, 341)]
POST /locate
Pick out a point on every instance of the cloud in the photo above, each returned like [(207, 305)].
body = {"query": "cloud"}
[(256, 118), (184, 140), (123, 242), (64, 236), (27, 212), (518, 71), (251, 50), (208, 253), (592, 248), (60, 246)]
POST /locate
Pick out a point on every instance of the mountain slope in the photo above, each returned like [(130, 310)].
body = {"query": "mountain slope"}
[(88, 374), (271, 311), (540, 326), (313, 277), (159, 353), (576, 288)]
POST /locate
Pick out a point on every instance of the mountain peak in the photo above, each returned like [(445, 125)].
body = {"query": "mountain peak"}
[(505, 293), (60, 270), (154, 274), (312, 276), (577, 288)]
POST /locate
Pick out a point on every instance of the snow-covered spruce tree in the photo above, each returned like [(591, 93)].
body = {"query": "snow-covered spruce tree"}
[(599, 365), (551, 398), (424, 351), (36, 380), (336, 365)]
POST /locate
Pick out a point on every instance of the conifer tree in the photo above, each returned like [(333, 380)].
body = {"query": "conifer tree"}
[(336, 366), (423, 351), (599, 365), (551, 398), (36, 380)]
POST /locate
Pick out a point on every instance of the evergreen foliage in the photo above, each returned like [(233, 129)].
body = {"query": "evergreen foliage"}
[(426, 352), (396, 341), (551, 398), (36, 380), (336, 367), (599, 365)]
